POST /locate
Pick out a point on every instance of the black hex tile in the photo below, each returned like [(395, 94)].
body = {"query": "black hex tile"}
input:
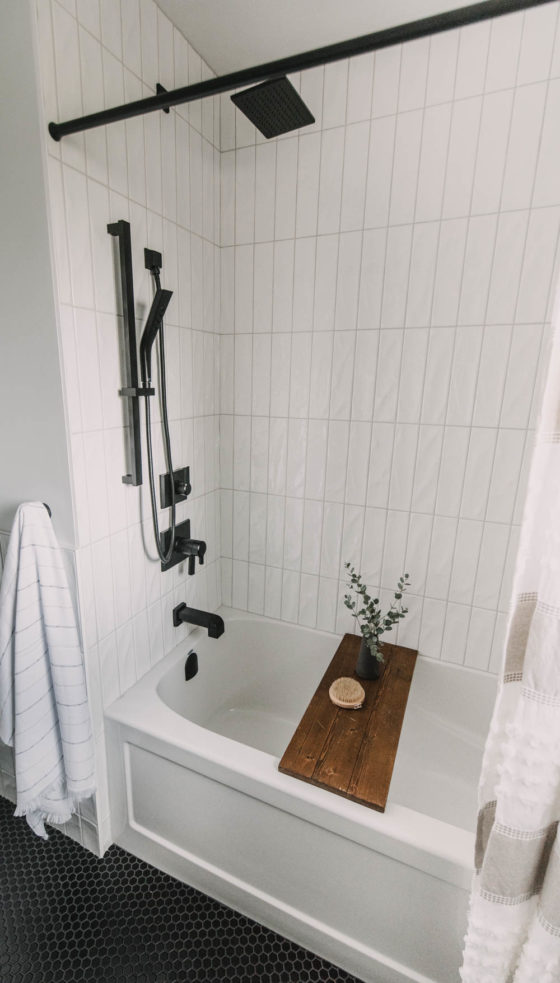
[(67, 916)]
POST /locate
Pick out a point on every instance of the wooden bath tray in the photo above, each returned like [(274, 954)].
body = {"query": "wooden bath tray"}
[(352, 752)]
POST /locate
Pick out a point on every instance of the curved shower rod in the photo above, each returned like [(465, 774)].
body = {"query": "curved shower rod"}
[(435, 24)]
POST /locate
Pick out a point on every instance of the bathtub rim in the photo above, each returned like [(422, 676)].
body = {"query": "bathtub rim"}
[(144, 719)]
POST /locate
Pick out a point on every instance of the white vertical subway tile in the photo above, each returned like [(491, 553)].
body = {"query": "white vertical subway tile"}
[(348, 280), (503, 53), (255, 602), (365, 363), (388, 368), (111, 28), (394, 549), (352, 537), (479, 252), (356, 147), (491, 375), (265, 185), (262, 287), (316, 459), (381, 452), (505, 598), (397, 266), (491, 566), (521, 374), (79, 248), (463, 376), (330, 180), (308, 595), (227, 196), (259, 453), (402, 471), (294, 542), (438, 362), (414, 73), (262, 345), (299, 374), (371, 279), (417, 550), (326, 604), (321, 365), (455, 632), (342, 375), (461, 158), (280, 374), (491, 155), (539, 28), (507, 463), (113, 84), (523, 146), (431, 629), (358, 463), (239, 584), (334, 94), (337, 455), (93, 97), (88, 15), (290, 596), (441, 557), (295, 464), (331, 539), (479, 639), (277, 457), (433, 160), (547, 181), (245, 195), (442, 67), (465, 561), (244, 259), (386, 81), (88, 370), (472, 59), (308, 183), (282, 293), (131, 36), (423, 259), (360, 86), (430, 440), (405, 167), (272, 592), (537, 266), (58, 225), (380, 171), (241, 515), (310, 541), (325, 282), (453, 462), (242, 452), (482, 445), (450, 261), (286, 175), (411, 380), (304, 281)]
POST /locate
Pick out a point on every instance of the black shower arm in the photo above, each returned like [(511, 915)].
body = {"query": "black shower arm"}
[(295, 63)]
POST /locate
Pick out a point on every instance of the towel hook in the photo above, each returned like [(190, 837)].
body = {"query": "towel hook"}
[(48, 508)]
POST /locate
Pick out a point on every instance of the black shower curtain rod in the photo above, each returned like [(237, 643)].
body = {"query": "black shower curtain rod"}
[(295, 63)]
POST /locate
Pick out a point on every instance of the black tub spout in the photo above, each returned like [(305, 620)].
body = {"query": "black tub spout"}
[(204, 619)]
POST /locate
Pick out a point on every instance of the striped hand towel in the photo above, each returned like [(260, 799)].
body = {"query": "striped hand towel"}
[(44, 713)]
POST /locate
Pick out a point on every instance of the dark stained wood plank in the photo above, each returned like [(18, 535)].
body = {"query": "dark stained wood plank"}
[(300, 757), (352, 752)]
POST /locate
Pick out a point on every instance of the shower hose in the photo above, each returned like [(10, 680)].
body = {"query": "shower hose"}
[(164, 556)]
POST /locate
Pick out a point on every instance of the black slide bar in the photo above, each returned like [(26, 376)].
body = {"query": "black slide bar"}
[(121, 229), (295, 63)]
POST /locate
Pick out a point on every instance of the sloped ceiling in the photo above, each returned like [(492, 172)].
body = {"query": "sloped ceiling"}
[(235, 34)]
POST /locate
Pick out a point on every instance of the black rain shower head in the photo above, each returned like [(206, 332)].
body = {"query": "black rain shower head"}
[(274, 107), (153, 324)]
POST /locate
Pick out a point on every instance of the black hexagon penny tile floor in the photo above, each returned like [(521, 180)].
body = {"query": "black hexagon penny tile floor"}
[(67, 916)]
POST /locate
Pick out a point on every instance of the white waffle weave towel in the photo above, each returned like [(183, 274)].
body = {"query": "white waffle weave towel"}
[(44, 713)]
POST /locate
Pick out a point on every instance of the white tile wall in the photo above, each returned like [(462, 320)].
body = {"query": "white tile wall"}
[(162, 174), (391, 323)]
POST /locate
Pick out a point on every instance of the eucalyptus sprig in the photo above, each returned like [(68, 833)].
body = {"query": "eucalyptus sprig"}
[(373, 623)]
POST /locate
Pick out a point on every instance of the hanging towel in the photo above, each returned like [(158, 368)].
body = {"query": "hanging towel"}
[(44, 712)]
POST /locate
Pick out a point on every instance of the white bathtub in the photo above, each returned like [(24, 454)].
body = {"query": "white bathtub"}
[(195, 790)]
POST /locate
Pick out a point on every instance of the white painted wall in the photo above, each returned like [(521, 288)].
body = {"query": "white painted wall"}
[(33, 446)]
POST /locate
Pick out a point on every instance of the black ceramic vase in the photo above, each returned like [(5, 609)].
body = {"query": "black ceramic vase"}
[(367, 666)]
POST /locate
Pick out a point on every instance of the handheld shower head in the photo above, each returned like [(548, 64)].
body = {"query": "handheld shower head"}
[(153, 324)]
